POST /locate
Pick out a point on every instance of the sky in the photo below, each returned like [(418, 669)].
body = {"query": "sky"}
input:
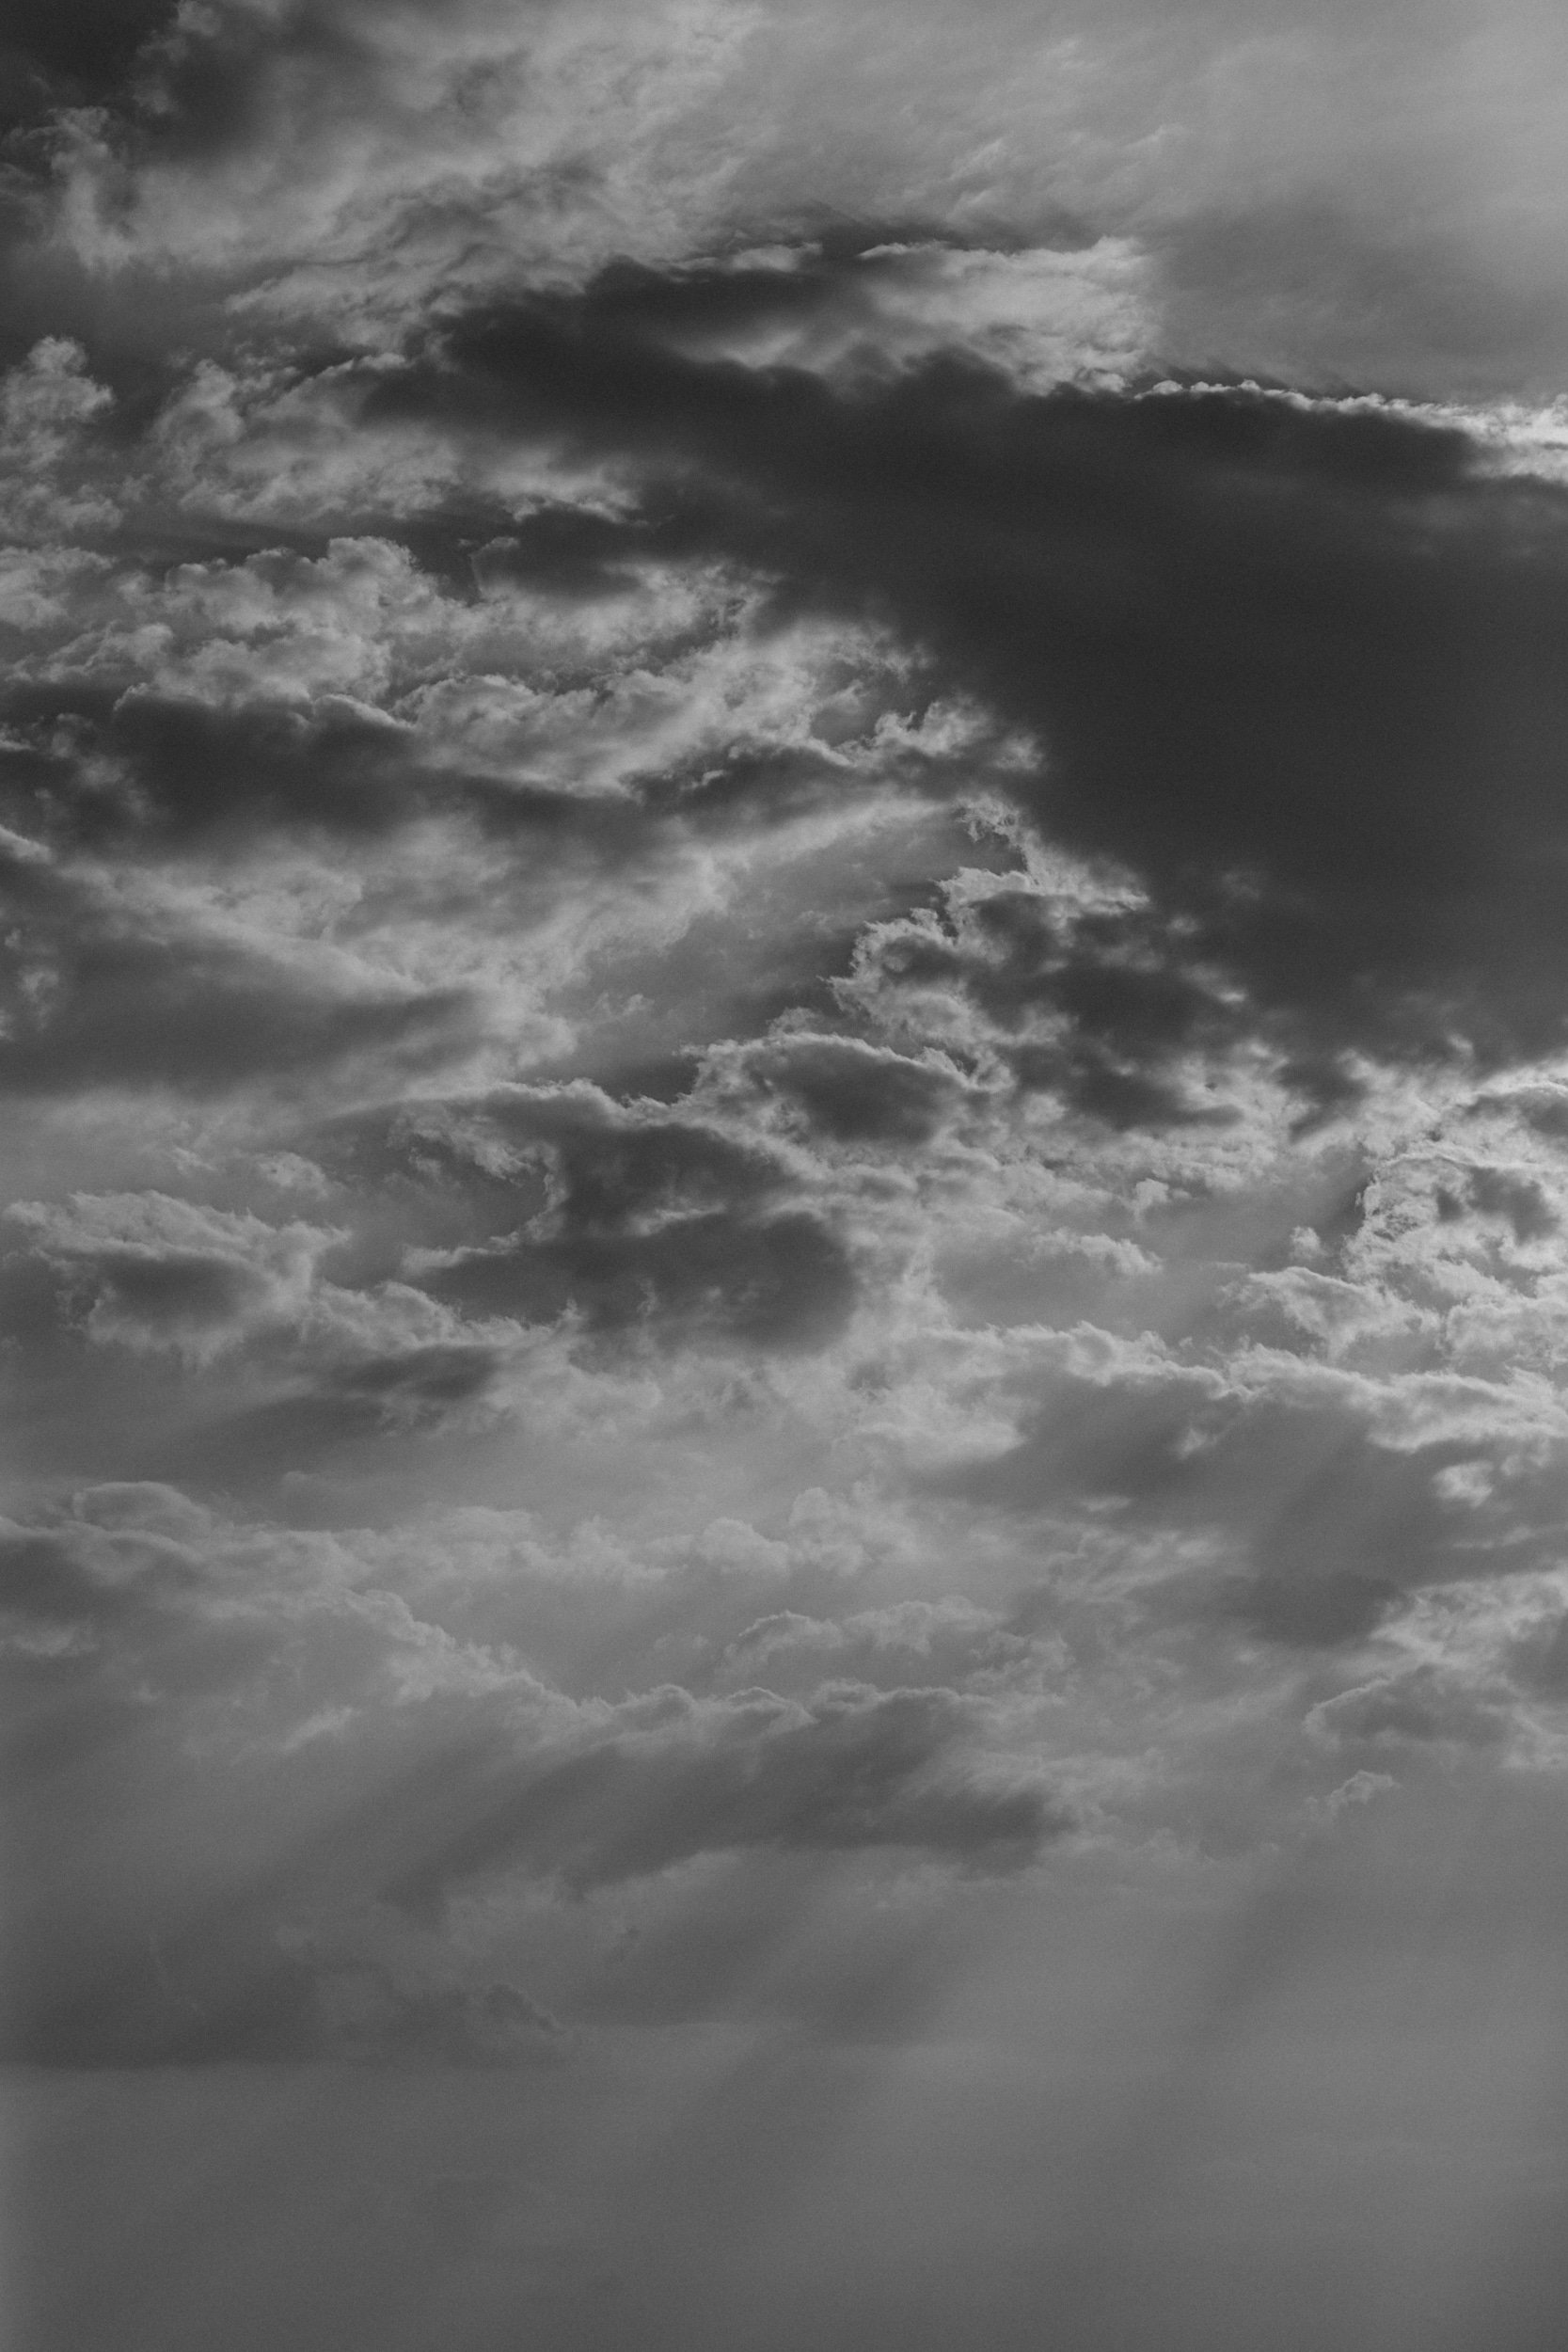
[(783, 813)]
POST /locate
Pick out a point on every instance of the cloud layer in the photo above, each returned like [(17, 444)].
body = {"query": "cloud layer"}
[(781, 1021)]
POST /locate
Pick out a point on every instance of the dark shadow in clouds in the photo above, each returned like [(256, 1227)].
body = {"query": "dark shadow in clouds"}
[(45, 1581), (1328, 1530), (854, 1092), (94, 998), (420, 1381), (1298, 667), (858, 1768), (650, 1220), (229, 1988), (91, 767), (1109, 985), (774, 1281), (199, 86), (177, 1292), (137, 765), (70, 53), (346, 1414), (107, 770)]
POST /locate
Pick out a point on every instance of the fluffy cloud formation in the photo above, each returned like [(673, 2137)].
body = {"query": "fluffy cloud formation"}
[(782, 1019)]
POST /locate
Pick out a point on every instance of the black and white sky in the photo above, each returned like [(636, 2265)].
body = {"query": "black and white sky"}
[(783, 1023)]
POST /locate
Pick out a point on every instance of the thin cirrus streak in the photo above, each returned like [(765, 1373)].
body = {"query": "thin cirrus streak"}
[(785, 1087)]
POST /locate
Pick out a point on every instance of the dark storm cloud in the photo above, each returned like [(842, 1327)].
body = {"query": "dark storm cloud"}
[(857, 1768), (1297, 666), (98, 994)]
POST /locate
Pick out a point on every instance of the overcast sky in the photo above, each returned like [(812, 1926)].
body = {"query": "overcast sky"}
[(785, 1048)]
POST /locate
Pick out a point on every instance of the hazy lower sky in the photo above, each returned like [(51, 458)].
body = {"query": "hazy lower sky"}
[(785, 1065)]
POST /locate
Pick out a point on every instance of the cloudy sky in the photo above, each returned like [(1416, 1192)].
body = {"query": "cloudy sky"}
[(783, 806)]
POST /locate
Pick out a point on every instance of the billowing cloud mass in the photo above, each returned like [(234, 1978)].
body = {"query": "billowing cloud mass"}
[(784, 1028)]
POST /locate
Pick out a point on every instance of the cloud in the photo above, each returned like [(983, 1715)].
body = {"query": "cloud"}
[(1364, 200), (648, 1219), (856, 1768), (951, 1639), (105, 991), (241, 1994), (48, 408), (156, 1271), (782, 1052), (61, 1584), (250, 138), (71, 54), (1073, 985), (850, 308), (1419, 1706), (846, 1090), (1297, 692)]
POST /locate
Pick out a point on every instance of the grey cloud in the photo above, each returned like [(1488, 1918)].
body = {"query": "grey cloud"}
[(114, 765), (1291, 663), (1312, 291), (1502, 1192), (421, 1380), (862, 301), (91, 767), (98, 995), (857, 1767), (1543, 1108), (1420, 1706), (319, 1412), (70, 53), (206, 84), (1328, 1530), (781, 1281), (855, 1093), (175, 1291), (648, 1219), (1537, 1659), (1096, 1003), (950, 1643), (48, 1577), (228, 1990), (153, 1270)]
